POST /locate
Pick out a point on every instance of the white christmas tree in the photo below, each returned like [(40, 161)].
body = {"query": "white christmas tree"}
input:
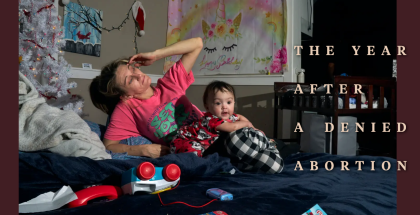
[(40, 57)]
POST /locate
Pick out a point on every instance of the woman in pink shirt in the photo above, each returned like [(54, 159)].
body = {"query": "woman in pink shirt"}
[(138, 109)]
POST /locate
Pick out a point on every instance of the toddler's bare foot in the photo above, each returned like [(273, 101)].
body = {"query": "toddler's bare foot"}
[(272, 141)]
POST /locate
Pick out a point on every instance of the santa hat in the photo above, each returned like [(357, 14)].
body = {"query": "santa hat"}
[(139, 14)]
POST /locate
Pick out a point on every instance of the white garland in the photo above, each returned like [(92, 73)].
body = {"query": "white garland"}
[(40, 40)]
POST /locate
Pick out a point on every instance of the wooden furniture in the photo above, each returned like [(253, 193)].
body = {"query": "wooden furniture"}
[(327, 104)]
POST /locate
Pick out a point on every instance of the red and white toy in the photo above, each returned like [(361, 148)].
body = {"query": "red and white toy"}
[(139, 14), (150, 179), (85, 195), (145, 177)]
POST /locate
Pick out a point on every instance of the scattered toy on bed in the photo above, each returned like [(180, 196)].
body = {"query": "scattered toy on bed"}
[(148, 178), (145, 178), (292, 192), (84, 196)]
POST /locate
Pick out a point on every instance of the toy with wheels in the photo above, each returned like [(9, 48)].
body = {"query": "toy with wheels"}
[(150, 179)]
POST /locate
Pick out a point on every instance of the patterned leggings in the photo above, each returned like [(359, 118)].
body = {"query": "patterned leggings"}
[(250, 150)]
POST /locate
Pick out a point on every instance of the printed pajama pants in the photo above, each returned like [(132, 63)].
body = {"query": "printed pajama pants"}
[(249, 150)]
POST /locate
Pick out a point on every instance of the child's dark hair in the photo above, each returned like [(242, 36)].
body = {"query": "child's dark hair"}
[(216, 86)]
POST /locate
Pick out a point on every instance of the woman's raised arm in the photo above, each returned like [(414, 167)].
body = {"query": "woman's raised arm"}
[(190, 49)]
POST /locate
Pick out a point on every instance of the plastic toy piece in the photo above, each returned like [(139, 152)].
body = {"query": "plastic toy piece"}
[(171, 172), (137, 179), (215, 213), (145, 171), (315, 210), (163, 190), (85, 195), (219, 194)]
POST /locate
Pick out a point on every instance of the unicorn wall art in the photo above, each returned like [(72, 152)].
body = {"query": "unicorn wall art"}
[(240, 37)]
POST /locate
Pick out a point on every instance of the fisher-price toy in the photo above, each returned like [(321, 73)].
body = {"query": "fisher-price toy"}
[(145, 177), (150, 179)]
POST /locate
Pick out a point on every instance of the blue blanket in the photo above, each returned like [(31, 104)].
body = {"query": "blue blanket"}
[(290, 192)]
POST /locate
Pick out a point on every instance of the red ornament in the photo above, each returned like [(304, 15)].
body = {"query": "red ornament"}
[(48, 97), (51, 56), (32, 41), (27, 13), (46, 7)]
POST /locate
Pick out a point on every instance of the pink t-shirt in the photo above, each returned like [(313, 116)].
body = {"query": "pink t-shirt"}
[(159, 117)]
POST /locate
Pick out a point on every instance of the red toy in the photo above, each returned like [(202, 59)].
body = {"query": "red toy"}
[(144, 177), (85, 195)]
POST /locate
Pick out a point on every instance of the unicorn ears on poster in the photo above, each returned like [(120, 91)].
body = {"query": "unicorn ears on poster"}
[(239, 37), (222, 28)]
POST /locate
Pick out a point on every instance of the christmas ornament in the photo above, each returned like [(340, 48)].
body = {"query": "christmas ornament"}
[(20, 59), (65, 2), (139, 14), (27, 13)]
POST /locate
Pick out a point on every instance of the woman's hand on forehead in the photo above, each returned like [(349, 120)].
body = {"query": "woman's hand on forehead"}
[(143, 59), (132, 66)]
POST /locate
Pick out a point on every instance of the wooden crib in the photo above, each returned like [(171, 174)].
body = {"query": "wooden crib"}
[(328, 104)]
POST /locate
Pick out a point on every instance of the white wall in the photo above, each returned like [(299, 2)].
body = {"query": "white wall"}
[(297, 10), (306, 15), (297, 15)]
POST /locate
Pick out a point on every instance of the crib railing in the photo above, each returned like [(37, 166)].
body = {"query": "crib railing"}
[(369, 83), (326, 103)]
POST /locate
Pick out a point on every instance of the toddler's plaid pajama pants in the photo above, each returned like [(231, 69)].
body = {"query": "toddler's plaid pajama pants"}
[(251, 150)]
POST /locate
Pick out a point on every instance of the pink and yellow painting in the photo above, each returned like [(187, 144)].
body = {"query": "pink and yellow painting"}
[(239, 36)]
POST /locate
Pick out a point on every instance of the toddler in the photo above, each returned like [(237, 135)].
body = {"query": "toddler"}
[(248, 147)]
